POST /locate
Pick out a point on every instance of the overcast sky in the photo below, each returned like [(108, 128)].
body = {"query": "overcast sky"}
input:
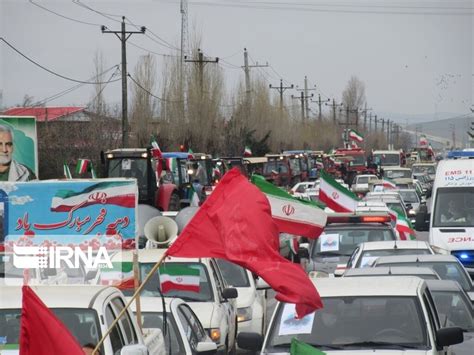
[(415, 57)]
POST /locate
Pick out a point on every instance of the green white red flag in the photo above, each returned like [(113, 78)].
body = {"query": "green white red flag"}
[(67, 171), (120, 275), (247, 151), (291, 215), (355, 136), (335, 196), (82, 166), (179, 277), (402, 226)]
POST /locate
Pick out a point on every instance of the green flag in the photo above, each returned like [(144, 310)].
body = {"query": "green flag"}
[(300, 348)]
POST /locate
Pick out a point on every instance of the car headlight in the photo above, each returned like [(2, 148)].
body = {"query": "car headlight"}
[(244, 314), (412, 213), (215, 334)]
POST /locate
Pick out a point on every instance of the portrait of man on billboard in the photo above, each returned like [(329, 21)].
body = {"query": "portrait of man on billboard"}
[(17, 153)]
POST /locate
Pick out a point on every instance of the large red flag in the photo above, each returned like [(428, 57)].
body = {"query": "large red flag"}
[(235, 223), (41, 332)]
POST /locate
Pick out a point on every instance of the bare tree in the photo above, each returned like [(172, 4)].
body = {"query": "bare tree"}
[(353, 96), (144, 105), (98, 105)]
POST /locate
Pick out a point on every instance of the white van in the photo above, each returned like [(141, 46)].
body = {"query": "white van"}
[(451, 210), (387, 158)]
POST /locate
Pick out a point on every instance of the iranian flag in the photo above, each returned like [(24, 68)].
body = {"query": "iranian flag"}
[(291, 215), (336, 196), (67, 171), (247, 151), (82, 166), (172, 164), (402, 226), (120, 193), (120, 275), (355, 136), (179, 277), (194, 200)]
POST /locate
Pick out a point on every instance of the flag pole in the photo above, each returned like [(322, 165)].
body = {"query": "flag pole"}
[(122, 312)]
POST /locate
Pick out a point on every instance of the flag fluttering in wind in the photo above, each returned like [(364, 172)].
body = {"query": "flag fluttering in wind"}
[(179, 277), (158, 155), (235, 224), (335, 196), (402, 225), (67, 171), (300, 348), (41, 332), (247, 151), (293, 216), (82, 166), (355, 136)]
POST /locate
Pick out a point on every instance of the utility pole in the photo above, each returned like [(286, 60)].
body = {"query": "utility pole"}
[(306, 95), (201, 62), (302, 98), (388, 133), (320, 103), (247, 68), (375, 120), (123, 35), (281, 89), (365, 110), (334, 105), (383, 125)]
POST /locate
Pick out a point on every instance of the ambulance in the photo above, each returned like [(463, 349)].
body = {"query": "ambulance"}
[(451, 209)]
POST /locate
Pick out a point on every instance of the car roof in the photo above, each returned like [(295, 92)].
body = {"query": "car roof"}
[(368, 286), (396, 168), (443, 285), (154, 304), (150, 256), (415, 258), (57, 296), (394, 270), (394, 244)]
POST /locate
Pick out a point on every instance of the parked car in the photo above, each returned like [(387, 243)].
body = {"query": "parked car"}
[(363, 315), (366, 253), (330, 253), (213, 301), (454, 309), (88, 312), (184, 335), (446, 266)]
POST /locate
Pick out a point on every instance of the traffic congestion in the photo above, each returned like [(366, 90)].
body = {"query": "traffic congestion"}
[(384, 285)]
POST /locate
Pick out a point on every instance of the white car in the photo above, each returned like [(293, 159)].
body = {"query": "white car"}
[(362, 315), (361, 183), (299, 190), (366, 253), (87, 311), (251, 304), (424, 273), (184, 335), (212, 300)]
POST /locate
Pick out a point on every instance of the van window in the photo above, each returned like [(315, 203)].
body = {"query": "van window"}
[(116, 338), (125, 322), (454, 207)]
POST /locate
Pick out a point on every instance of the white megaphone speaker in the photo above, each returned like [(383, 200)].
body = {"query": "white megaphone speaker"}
[(160, 231)]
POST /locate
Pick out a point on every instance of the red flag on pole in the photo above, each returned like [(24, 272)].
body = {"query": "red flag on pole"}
[(235, 223), (41, 332)]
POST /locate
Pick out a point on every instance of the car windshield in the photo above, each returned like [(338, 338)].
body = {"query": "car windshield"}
[(357, 159), (409, 196), (454, 309), (343, 241), (368, 257), (278, 166), (423, 169), (454, 207), (365, 179), (389, 323), (82, 323), (397, 173), (449, 270), (174, 343), (235, 275), (131, 168), (397, 206), (387, 159), (189, 281)]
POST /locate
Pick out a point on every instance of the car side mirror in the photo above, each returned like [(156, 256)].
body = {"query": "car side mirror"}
[(230, 293), (206, 348), (250, 341), (134, 349), (262, 284), (449, 336), (91, 274)]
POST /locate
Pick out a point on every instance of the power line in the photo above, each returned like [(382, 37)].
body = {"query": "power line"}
[(108, 16), (46, 69), (149, 93), (63, 16)]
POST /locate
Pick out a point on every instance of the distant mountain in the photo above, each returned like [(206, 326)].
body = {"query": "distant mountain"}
[(402, 118)]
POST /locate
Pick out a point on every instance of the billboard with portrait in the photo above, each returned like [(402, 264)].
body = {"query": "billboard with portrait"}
[(18, 150)]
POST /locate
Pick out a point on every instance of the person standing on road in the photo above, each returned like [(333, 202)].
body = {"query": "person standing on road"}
[(11, 170)]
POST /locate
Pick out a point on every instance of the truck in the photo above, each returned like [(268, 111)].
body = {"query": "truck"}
[(283, 169), (449, 211), (388, 158), (139, 163), (87, 312)]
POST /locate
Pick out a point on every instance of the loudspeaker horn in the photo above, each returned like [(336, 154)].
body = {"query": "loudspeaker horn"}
[(160, 231)]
